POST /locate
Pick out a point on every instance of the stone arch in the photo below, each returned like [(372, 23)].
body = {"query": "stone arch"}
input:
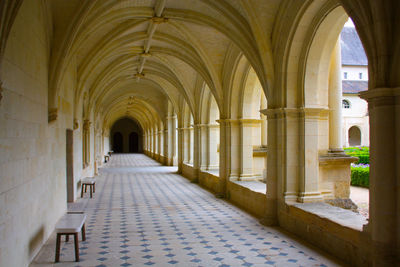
[(354, 134)]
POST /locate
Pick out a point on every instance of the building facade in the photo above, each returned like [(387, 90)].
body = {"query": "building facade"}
[(355, 80)]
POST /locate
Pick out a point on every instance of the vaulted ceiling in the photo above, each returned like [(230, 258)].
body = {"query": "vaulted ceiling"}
[(155, 51)]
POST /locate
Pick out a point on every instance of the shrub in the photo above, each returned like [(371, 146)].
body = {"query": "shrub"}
[(362, 153), (360, 175)]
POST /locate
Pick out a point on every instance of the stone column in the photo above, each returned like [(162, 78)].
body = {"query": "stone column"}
[(204, 146), (154, 142), (191, 144), (246, 148), (212, 146), (384, 203), (309, 160), (160, 146), (271, 215), (86, 143), (224, 151), (171, 139), (335, 101), (186, 145), (166, 147), (196, 151), (181, 151)]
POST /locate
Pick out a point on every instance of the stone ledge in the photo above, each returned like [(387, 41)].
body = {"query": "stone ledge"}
[(336, 159), (255, 186), (337, 215)]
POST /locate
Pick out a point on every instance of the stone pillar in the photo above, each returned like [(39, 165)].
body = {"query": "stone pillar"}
[(335, 101), (196, 151), (234, 148), (181, 150), (204, 146), (384, 203), (154, 141), (160, 149), (212, 146), (171, 139), (246, 148), (86, 143), (271, 215), (191, 144), (166, 147), (186, 145), (309, 160), (224, 151)]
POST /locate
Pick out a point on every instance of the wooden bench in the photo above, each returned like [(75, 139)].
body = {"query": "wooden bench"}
[(91, 182), (70, 224)]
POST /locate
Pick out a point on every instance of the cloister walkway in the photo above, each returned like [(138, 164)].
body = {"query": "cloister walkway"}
[(144, 214)]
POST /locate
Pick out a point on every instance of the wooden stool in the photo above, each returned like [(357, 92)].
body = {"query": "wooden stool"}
[(91, 182), (106, 158), (70, 224)]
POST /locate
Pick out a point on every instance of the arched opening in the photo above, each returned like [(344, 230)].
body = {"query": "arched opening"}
[(118, 142), (126, 136), (133, 142), (354, 136), (322, 178)]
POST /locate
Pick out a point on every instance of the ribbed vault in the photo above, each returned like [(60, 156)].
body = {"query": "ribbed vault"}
[(166, 47)]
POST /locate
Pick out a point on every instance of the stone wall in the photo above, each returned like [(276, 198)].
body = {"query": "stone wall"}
[(32, 152)]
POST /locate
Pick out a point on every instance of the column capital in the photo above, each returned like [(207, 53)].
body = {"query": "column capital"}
[(381, 96), (228, 121), (53, 114), (250, 122), (276, 113), (86, 124)]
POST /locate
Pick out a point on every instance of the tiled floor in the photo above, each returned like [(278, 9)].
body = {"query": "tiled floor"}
[(143, 214)]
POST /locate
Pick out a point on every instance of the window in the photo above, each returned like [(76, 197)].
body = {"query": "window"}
[(360, 75), (345, 75), (345, 103)]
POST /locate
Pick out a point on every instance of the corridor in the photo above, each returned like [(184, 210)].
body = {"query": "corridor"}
[(144, 214)]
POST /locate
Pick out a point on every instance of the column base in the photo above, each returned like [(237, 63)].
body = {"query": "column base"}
[(308, 197), (247, 177)]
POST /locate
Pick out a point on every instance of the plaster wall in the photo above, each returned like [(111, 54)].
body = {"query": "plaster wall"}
[(353, 73), (356, 115), (32, 152)]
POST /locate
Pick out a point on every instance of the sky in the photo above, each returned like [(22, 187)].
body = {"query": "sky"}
[(349, 23)]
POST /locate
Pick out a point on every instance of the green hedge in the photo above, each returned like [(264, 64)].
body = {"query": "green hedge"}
[(360, 176), (361, 152)]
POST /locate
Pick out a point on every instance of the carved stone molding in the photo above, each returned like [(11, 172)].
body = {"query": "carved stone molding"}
[(76, 124), (139, 75), (159, 20), (146, 55), (86, 125), (53, 114)]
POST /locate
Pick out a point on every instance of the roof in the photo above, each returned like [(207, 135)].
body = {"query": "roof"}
[(352, 50), (354, 87)]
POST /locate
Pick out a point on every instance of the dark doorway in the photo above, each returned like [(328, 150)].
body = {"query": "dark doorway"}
[(131, 134), (354, 136), (118, 143), (133, 143)]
